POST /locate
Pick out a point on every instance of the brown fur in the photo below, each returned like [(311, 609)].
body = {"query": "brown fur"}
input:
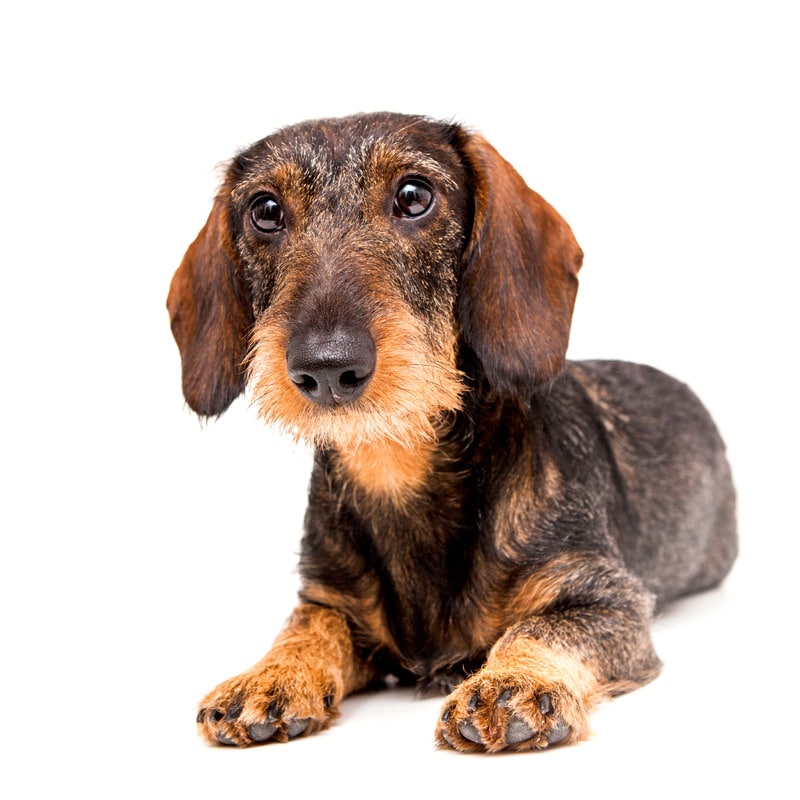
[(484, 516)]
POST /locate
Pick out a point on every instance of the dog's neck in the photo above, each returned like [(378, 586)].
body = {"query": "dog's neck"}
[(398, 475), (388, 471)]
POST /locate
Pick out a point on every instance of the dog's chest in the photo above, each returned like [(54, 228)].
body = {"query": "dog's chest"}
[(425, 578), (416, 581)]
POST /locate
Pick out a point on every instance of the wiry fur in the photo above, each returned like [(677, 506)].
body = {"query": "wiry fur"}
[(483, 516)]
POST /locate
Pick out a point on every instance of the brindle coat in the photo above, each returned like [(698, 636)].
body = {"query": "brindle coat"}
[(483, 515)]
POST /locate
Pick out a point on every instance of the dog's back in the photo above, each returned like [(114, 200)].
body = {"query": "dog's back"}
[(675, 514)]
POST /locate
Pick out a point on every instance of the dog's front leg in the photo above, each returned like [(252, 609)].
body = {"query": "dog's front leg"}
[(295, 689), (545, 674)]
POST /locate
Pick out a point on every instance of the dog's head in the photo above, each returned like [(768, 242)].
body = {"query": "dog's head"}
[(348, 264)]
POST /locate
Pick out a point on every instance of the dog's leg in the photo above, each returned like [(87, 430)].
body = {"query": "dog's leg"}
[(545, 674), (295, 689)]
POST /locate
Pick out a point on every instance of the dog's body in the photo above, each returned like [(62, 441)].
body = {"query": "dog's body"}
[(483, 516)]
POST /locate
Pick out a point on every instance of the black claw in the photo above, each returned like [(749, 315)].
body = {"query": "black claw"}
[(223, 739), (448, 712), (545, 704), (504, 697), (201, 716), (217, 715), (474, 702), (274, 712), (296, 727), (233, 712), (261, 731), (469, 731), (328, 700), (518, 731)]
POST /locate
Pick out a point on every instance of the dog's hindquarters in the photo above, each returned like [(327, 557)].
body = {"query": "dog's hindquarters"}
[(675, 501)]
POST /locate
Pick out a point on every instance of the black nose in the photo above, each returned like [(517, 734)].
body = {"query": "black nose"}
[(331, 368)]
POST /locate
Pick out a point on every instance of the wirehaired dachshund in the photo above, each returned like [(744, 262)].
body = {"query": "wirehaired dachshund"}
[(485, 518)]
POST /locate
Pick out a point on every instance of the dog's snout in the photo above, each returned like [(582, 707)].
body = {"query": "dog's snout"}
[(331, 368)]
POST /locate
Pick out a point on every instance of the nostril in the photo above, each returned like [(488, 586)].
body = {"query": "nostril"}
[(349, 379), (305, 382)]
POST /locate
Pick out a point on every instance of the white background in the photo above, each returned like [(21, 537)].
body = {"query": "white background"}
[(145, 558)]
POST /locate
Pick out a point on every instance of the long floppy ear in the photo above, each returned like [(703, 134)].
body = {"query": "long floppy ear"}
[(211, 315), (519, 277)]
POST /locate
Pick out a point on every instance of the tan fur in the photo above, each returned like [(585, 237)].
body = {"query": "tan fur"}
[(311, 660), (525, 670), (388, 469)]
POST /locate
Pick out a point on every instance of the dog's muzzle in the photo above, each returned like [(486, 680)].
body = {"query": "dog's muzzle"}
[(331, 368)]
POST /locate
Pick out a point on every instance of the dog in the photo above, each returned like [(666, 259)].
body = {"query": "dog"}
[(485, 518)]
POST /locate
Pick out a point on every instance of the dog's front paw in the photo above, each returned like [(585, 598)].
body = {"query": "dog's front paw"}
[(273, 703), (493, 711)]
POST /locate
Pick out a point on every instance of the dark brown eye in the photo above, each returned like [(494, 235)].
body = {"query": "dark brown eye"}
[(266, 214), (413, 199)]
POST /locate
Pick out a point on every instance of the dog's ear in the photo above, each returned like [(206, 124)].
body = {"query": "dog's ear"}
[(211, 316), (519, 276)]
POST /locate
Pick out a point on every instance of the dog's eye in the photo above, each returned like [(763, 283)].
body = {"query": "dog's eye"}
[(413, 199), (266, 214)]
